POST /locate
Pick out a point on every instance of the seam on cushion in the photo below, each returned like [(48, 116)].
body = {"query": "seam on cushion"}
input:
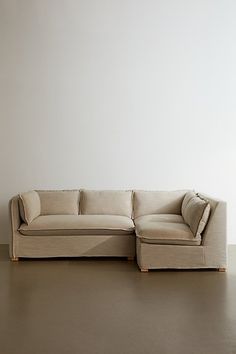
[(53, 230), (158, 214), (91, 228), (164, 237), (168, 239), (202, 198), (194, 244)]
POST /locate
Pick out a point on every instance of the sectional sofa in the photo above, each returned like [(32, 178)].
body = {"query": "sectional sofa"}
[(162, 229)]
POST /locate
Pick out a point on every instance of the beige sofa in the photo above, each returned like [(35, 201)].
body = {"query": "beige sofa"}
[(164, 229)]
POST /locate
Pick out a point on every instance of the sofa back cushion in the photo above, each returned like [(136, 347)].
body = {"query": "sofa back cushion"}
[(196, 212), (29, 205), (61, 202), (106, 202), (158, 202)]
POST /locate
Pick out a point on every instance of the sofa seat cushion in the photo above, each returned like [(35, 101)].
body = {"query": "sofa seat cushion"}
[(160, 218), (165, 229), (62, 225)]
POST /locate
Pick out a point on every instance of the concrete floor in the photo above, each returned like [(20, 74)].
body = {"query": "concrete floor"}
[(108, 306)]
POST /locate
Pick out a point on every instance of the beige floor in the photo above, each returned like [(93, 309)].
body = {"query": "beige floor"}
[(107, 306)]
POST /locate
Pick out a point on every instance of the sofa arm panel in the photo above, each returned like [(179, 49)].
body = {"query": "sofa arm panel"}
[(214, 238), (15, 224)]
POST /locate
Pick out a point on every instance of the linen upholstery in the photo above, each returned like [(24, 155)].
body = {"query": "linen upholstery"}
[(152, 256), (61, 202), (165, 230), (49, 225), (195, 212), (158, 202), (212, 253), (29, 204), (106, 202)]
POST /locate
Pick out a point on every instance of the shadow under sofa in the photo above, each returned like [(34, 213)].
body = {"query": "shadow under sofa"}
[(161, 228)]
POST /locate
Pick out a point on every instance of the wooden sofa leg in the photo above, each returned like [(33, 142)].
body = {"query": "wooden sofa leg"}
[(222, 269), (130, 258), (14, 259), (144, 270)]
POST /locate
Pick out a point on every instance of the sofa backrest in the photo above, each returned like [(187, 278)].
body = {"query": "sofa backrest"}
[(59, 202), (158, 202), (107, 202), (110, 202)]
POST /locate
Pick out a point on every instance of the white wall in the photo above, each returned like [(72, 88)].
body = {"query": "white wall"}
[(118, 94)]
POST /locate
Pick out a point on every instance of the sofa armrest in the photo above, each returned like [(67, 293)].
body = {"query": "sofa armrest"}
[(15, 224), (214, 238)]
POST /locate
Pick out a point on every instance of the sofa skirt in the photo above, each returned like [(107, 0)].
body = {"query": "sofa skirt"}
[(153, 256), (75, 246)]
